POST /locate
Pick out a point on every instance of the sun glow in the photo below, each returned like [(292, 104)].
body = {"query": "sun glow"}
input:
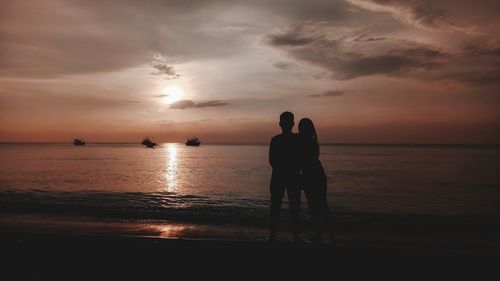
[(172, 94)]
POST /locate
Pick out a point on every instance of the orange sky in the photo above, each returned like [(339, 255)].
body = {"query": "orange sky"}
[(363, 70)]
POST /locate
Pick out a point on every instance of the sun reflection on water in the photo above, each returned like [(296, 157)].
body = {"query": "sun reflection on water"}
[(171, 174), (171, 230)]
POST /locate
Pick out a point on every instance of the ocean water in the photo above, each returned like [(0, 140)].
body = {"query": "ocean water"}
[(389, 185)]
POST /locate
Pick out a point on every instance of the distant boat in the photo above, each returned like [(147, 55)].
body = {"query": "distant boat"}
[(193, 141), (148, 142), (78, 142)]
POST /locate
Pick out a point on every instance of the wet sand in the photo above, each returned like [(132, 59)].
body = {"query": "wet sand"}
[(37, 247), (44, 256)]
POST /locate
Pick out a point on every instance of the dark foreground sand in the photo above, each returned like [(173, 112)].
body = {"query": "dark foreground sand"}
[(96, 257)]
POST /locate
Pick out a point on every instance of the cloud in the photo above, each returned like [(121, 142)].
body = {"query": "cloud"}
[(47, 39), (132, 101), (490, 77), (210, 104), (167, 71), (351, 55), (328, 93), (294, 36), (283, 65), (413, 12), (321, 75), (166, 122), (393, 62), (368, 39), (183, 104)]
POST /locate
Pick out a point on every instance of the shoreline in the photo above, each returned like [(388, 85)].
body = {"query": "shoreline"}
[(468, 241)]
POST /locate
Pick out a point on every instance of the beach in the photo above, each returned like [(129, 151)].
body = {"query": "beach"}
[(46, 248), (45, 256)]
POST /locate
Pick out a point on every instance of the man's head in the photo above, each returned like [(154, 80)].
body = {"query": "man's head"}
[(286, 121)]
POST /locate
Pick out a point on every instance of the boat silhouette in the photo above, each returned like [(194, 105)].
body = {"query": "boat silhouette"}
[(193, 141), (148, 142), (78, 142)]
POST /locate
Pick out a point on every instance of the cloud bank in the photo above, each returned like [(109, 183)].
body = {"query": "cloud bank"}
[(184, 104), (354, 54), (328, 93)]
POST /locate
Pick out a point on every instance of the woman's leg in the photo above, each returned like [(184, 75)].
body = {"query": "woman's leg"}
[(329, 220), (326, 214), (314, 210)]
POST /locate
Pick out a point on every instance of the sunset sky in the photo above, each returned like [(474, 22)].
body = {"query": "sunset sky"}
[(365, 71)]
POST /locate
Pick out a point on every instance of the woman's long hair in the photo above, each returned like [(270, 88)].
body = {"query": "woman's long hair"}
[(307, 129)]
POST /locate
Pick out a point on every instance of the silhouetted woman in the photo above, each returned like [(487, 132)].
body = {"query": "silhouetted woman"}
[(314, 179)]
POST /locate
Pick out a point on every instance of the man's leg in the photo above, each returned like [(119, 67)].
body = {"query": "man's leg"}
[(277, 193), (293, 193)]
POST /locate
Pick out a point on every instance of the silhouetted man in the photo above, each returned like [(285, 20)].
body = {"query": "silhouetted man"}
[(283, 157)]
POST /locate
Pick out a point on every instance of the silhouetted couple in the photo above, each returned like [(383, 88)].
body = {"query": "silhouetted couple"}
[(296, 166)]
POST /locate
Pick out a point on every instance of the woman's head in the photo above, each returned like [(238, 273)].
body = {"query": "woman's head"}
[(306, 128)]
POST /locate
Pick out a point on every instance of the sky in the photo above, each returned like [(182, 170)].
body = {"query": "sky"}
[(365, 71)]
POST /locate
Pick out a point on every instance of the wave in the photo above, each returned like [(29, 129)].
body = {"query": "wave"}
[(135, 205), (215, 209)]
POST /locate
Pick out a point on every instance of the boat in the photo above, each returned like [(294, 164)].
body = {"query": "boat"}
[(148, 142), (193, 141), (78, 142)]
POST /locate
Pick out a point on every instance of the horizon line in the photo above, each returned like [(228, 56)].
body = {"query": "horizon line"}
[(260, 143)]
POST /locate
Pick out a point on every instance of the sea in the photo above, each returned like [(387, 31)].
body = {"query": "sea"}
[(219, 191)]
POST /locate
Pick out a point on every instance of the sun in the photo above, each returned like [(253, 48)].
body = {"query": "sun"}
[(172, 94)]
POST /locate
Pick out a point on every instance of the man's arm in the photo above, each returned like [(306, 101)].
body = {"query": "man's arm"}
[(272, 152)]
